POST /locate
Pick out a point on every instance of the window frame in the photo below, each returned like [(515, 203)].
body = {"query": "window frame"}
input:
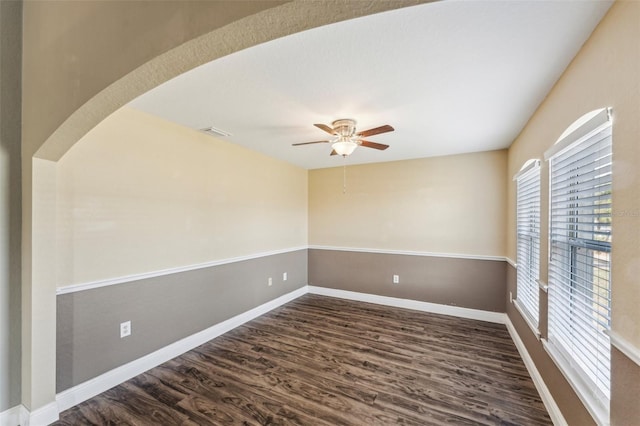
[(574, 256), (527, 300)]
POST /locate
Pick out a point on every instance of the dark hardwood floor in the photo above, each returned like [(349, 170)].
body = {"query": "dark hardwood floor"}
[(326, 361)]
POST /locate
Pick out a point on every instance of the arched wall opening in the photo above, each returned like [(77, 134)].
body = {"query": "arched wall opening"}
[(56, 114)]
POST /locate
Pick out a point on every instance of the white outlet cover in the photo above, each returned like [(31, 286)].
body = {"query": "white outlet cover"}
[(270, 282), (125, 329), (396, 279), (284, 276)]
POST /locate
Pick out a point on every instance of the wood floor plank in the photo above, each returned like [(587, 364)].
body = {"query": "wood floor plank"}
[(377, 375), (227, 390), (327, 361), (341, 372), (427, 345), (342, 365), (435, 333), (348, 409), (327, 379), (374, 351), (427, 348)]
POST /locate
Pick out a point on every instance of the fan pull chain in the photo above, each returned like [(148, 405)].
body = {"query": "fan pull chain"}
[(344, 175)]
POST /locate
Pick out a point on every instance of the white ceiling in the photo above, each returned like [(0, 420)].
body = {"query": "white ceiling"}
[(450, 76)]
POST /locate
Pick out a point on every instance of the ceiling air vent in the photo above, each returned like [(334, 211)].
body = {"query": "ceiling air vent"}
[(215, 132)]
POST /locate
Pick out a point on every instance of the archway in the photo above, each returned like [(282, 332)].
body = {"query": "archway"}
[(53, 123)]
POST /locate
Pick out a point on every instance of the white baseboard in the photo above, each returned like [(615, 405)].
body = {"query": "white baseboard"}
[(20, 416), (14, 416), (554, 411), (97, 385), (435, 308), (43, 416), (10, 417)]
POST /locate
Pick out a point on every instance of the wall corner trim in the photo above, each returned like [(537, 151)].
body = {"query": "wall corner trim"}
[(97, 385), (554, 411), (15, 416), (434, 308), (511, 262), (625, 347)]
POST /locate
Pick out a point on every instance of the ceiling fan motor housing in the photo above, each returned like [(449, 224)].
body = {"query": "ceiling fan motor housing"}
[(344, 127)]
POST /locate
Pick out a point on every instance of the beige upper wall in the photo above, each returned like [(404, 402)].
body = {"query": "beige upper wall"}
[(606, 73), (139, 194), (453, 204)]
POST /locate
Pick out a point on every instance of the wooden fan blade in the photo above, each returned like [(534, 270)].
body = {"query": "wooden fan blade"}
[(308, 143), (375, 131), (374, 145), (325, 128), (333, 152)]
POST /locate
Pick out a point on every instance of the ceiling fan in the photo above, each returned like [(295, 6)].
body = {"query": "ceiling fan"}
[(346, 140)]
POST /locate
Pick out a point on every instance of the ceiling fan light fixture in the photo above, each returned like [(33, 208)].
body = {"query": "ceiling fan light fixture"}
[(344, 146), (345, 139)]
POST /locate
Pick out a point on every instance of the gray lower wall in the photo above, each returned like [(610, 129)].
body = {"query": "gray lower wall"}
[(162, 310), (165, 309), (625, 389), (10, 202), (468, 283)]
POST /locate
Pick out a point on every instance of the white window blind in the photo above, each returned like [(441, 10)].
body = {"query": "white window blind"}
[(528, 239), (580, 257)]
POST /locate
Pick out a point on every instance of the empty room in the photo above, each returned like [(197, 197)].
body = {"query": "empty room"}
[(324, 212)]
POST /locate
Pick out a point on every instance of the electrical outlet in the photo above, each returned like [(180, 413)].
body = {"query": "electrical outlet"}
[(396, 279), (125, 329), (284, 276), (270, 282), (510, 297)]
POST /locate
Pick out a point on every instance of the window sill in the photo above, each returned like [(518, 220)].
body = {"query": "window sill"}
[(630, 351), (543, 286), (596, 407), (527, 318)]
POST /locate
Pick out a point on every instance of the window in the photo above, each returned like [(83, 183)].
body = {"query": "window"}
[(528, 236), (580, 257)]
